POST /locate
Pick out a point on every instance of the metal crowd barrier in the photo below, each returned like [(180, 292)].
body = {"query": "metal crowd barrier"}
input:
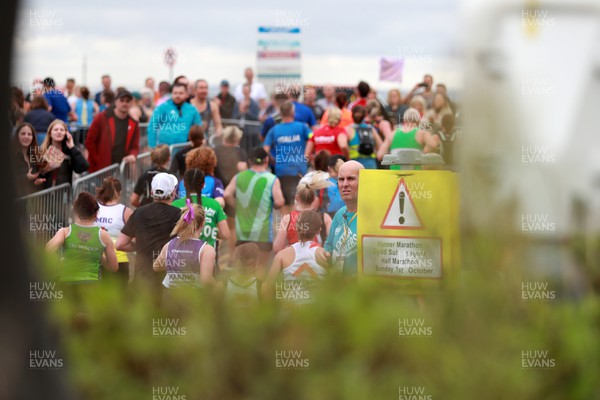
[(46, 211), (174, 148), (89, 183), (130, 173)]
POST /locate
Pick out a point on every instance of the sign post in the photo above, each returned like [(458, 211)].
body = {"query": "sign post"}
[(408, 228)]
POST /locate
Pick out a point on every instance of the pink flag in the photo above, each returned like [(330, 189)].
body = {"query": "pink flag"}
[(391, 69)]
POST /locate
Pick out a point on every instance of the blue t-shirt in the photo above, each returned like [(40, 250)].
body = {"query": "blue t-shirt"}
[(171, 125), (303, 113), (335, 200), (213, 188), (342, 242), (60, 105), (288, 142)]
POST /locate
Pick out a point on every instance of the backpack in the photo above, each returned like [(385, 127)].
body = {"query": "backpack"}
[(366, 143)]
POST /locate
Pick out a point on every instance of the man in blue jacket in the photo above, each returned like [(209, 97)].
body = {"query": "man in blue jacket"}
[(59, 106), (172, 120)]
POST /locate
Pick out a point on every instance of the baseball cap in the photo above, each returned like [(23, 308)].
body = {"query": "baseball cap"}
[(224, 83), (136, 95), (163, 185), (124, 93)]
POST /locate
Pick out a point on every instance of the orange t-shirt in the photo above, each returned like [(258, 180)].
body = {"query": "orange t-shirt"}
[(344, 121)]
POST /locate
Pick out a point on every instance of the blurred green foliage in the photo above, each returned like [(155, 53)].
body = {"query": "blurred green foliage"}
[(350, 336)]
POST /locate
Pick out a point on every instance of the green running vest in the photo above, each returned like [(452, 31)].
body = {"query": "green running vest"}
[(254, 206), (82, 254)]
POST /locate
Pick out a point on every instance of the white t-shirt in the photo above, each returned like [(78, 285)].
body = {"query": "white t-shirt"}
[(257, 92)]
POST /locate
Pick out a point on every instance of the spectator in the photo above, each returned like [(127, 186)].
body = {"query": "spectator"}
[(150, 84), (39, 117), (106, 83), (172, 120), (447, 136), (151, 226), (28, 159), (85, 108), (142, 193), (409, 136), (107, 99), (146, 104), (395, 107), (71, 92), (62, 156), (367, 155), (57, 102), (86, 247), (113, 136), (258, 93), (204, 159), (434, 115), (376, 118), (341, 102), (424, 89), (197, 140), (419, 104), (17, 106), (341, 244), (137, 111), (112, 217), (330, 137), (287, 143), (328, 99), (189, 89), (209, 111), (164, 93), (441, 88), (247, 110), (361, 92), (225, 101), (254, 193)]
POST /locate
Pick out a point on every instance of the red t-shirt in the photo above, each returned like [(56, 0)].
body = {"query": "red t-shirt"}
[(325, 138)]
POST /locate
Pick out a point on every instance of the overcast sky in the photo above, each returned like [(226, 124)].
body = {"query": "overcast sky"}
[(341, 42)]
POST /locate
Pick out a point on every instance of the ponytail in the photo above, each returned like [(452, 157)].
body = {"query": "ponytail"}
[(110, 189)]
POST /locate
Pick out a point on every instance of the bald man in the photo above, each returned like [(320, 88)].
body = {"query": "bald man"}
[(340, 246)]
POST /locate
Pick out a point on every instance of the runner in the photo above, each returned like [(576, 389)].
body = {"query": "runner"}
[(187, 260), (305, 200), (330, 200), (205, 159), (341, 244), (112, 217), (151, 227), (215, 223), (85, 246), (331, 137), (142, 192), (298, 265), (354, 142), (254, 193), (242, 288)]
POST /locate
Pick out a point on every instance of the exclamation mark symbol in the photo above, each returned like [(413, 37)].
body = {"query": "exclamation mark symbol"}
[(401, 197)]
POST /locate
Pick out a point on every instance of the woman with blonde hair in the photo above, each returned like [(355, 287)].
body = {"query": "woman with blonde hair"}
[(409, 136), (395, 106), (331, 137), (418, 103), (305, 199), (61, 155)]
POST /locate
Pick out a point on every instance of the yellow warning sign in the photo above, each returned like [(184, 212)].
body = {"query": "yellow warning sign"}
[(408, 227)]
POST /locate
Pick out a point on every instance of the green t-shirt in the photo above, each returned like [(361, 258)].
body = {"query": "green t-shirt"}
[(213, 215), (254, 206), (83, 250), (405, 140)]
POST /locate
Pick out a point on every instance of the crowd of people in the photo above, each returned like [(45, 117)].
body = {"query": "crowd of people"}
[(275, 200)]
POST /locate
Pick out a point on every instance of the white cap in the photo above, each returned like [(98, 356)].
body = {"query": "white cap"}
[(163, 185)]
